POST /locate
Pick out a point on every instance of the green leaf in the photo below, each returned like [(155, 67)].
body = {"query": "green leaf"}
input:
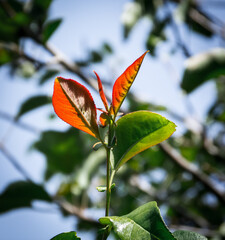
[(126, 228), (138, 131), (50, 73), (148, 217), (21, 194), (66, 236), (33, 103), (203, 67), (96, 56), (50, 28), (144, 222), (64, 151), (107, 49), (5, 56), (183, 235)]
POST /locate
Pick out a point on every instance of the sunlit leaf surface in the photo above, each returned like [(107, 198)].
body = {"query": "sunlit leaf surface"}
[(124, 82), (126, 228), (144, 222), (148, 217), (138, 131), (74, 104), (183, 235)]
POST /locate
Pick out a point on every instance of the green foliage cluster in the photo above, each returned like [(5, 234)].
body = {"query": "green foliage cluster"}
[(192, 165)]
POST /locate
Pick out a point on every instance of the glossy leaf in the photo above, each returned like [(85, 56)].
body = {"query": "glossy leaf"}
[(21, 194), (66, 236), (144, 222), (148, 217), (101, 92), (183, 235), (126, 228), (203, 67), (124, 82), (138, 131), (33, 103), (50, 28), (74, 104)]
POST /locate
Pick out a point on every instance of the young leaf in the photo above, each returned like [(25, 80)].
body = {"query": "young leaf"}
[(126, 228), (138, 131), (66, 236), (183, 235), (123, 84), (103, 119), (74, 104), (101, 92)]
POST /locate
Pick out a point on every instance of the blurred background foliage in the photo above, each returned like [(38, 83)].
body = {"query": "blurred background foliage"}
[(185, 175)]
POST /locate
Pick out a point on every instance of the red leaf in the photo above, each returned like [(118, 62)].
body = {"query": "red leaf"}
[(74, 104), (103, 119), (123, 84), (101, 92)]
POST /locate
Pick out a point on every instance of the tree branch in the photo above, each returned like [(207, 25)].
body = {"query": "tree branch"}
[(148, 189), (12, 47), (73, 210), (191, 168), (25, 126), (15, 163), (176, 31)]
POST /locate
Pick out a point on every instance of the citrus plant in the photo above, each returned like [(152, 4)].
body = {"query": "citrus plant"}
[(125, 137)]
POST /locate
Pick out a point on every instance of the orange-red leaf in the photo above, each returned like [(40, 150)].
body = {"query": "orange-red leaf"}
[(101, 92), (123, 84), (103, 119), (74, 104)]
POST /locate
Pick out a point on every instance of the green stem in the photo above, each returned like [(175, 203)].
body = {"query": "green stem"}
[(108, 187), (108, 182)]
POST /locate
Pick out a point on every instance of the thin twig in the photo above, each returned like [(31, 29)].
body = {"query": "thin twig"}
[(176, 31), (18, 123), (154, 193), (191, 168), (15, 163), (13, 47), (66, 206), (73, 210)]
